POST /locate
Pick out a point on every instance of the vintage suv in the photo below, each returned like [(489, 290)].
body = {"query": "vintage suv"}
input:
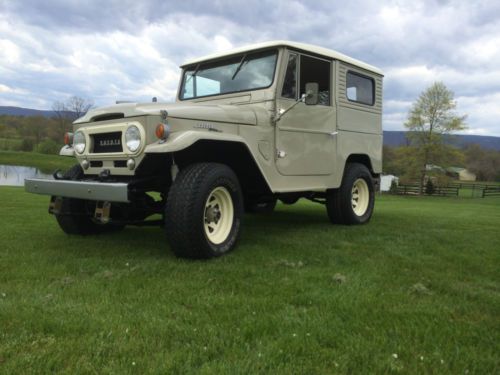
[(277, 120)]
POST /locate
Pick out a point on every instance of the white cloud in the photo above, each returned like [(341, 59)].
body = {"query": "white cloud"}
[(9, 52), (54, 49), (5, 88)]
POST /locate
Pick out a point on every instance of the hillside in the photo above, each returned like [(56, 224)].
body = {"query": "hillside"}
[(18, 111), (398, 138)]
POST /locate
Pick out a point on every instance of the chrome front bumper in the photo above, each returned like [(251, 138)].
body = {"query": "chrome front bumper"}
[(95, 191)]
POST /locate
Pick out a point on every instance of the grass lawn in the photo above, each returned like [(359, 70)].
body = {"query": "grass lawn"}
[(416, 291), (46, 163)]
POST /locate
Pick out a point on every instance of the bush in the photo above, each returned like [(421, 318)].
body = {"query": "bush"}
[(27, 145), (7, 144), (48, 147), (394, 187), (429, 187)]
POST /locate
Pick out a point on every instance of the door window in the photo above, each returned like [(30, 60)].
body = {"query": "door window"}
[(311, 70), (290, 82), (315, 70)]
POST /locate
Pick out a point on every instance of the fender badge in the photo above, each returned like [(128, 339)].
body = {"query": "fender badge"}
[(207, 126)]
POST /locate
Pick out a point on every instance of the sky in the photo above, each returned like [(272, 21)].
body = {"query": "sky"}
[(110, 50)]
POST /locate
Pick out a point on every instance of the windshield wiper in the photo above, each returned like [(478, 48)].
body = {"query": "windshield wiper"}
[(239, 67), (192, 75)]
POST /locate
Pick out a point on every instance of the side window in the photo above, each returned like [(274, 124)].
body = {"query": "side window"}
[(360, 89), (315, 70), (311, 70), (290, 81)]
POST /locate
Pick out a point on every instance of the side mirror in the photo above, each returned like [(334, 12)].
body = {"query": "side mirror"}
[(312, 89)]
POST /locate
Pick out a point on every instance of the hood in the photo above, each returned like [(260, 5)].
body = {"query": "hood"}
[(193, 111)]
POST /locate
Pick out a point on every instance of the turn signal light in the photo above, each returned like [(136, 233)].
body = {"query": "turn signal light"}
[(68, 139), (162, 131)]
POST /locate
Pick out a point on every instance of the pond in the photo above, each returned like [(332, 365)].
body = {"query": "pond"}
[(14, 175)]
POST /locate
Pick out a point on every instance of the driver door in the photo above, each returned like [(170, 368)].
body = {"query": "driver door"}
[(306, 134)]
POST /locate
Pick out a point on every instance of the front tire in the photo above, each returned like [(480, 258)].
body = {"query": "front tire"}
[(75, 216), (203, 211), (353, 202)]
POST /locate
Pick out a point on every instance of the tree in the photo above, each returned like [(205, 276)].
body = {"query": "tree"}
[(68, 111), (432, 116), (61, 115), (78, 106)]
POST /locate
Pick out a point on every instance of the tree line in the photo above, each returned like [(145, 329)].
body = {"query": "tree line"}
[(404, 162), (39, 133)]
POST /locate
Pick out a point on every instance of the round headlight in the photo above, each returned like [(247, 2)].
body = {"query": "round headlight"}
[(79, 142), (133, 138)]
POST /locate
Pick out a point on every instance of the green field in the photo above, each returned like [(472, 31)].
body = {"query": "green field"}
[(46, 163), (416, 291)]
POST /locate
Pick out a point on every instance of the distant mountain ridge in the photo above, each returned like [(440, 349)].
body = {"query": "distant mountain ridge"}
[(28, 112), (391, 138), (398, 138)]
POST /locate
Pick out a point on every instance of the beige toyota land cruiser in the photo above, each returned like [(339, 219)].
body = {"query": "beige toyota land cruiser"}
[(273, 121)]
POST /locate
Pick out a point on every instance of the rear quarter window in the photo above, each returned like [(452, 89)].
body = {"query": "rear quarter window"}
[(360, 88)]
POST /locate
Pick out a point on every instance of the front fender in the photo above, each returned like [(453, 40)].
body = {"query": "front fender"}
[(67, 151), (181, 140)]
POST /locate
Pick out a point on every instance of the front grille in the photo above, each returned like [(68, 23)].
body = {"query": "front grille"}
[(107, 142)]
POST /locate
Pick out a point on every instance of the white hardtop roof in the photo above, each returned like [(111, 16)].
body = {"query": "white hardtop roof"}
[(284, 43)]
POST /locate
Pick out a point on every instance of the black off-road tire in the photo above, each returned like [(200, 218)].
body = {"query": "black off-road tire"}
[(333, 206), (353, 202), (186, 211), (74, 217)]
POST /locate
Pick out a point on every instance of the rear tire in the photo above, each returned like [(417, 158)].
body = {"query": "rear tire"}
[(333, 206), (203, 211), (353, 202)]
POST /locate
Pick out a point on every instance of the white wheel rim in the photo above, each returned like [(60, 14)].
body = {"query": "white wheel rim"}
[(219, 215), (360, 197)]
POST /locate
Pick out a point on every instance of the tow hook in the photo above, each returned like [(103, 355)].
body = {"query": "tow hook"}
[(55, 205), (58, 175), (102, 210)]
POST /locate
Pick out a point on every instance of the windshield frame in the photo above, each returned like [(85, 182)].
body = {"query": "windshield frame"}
[(243, 55)]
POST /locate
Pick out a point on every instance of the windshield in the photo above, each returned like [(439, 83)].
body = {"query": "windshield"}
[(240, 73)]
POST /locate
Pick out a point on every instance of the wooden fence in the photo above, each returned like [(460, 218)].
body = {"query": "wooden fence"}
[(452, 190), (413, 189), (471, 185), (491, 191)]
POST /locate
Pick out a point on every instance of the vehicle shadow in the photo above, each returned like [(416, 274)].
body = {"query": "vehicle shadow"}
[(150, 242)]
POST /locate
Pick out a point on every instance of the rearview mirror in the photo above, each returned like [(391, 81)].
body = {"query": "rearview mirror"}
[(312, 89)]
